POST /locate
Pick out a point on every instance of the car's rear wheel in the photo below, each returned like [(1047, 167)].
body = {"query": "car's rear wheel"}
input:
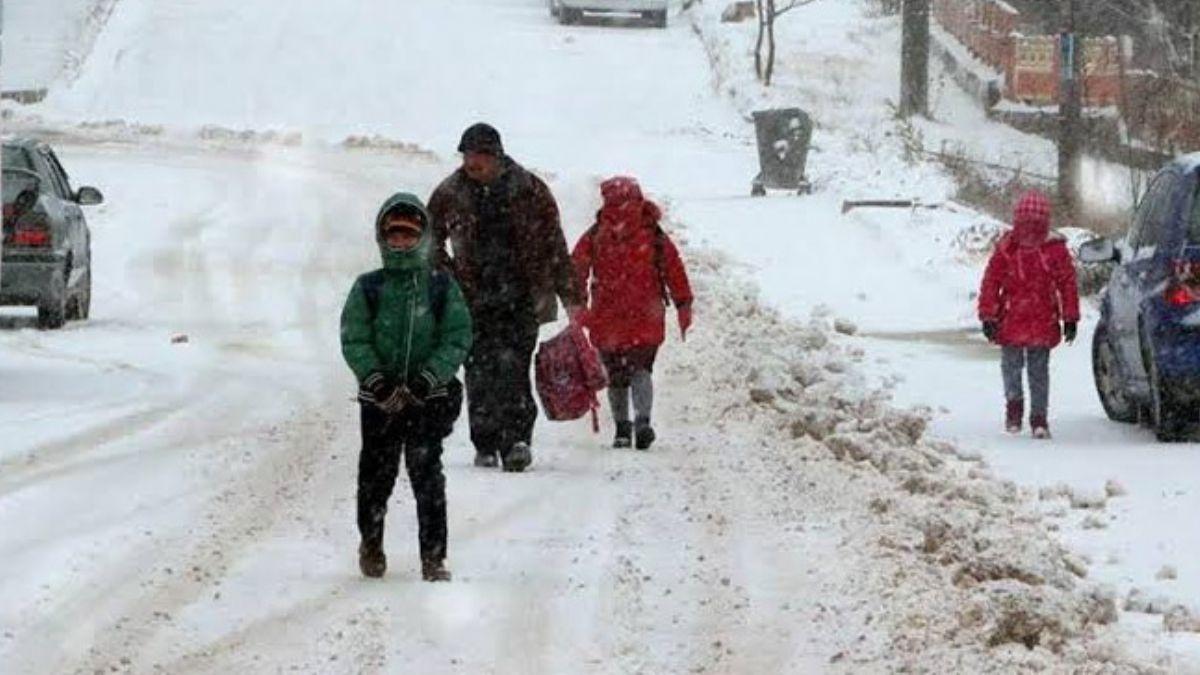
[(569, 15), (554, 9), (1168, 409), (52, 310), (1109, 385), (660, 18)]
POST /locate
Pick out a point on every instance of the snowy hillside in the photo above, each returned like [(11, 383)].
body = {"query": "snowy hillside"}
[(47, 41), (832, 491)]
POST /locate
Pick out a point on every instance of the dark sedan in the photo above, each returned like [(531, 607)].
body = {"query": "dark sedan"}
[(47, 258), (1146, 350)]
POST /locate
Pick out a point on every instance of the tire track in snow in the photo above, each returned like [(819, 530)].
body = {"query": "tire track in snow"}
[(56, 458), (234, 520)]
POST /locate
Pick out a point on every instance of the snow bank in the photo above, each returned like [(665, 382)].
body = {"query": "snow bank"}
[(970, 577)]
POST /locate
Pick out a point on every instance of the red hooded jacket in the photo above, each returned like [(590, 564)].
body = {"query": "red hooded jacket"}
[(629, 260), (1029, 285)]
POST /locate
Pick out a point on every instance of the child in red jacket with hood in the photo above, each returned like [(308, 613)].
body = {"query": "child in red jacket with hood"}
[(635, 271), (1028, 288)]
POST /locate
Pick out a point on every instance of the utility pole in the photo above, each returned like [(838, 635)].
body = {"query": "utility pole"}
[(1070, 107), (914, 59), (1194, 41)]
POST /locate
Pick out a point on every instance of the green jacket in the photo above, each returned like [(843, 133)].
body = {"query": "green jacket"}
[(404, 338)]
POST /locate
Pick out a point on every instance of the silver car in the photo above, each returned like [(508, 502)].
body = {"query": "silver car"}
[(571, 11), (47, 256)]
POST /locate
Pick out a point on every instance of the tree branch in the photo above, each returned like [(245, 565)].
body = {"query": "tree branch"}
[(792, 5)]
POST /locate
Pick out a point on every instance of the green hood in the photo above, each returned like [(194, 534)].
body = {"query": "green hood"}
[(405, 260)]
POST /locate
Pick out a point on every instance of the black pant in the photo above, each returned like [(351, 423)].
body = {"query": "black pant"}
[(500, 401), (384, 438)]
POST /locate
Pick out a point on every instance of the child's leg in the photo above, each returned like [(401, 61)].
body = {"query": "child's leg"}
[(1012, 362), (643, 395), (1039, 382), (618, 400), (617, 366), (378, 464), (423, 460)]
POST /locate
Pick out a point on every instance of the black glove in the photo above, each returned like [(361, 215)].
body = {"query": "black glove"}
[(421, 386), (990, 330), (388, 397), (1069, 330)]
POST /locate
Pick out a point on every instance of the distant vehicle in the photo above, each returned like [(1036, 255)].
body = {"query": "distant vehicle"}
[(47, 257), (571, 11), (1146, 349)]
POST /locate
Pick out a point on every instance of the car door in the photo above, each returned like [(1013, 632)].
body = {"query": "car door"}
[(1131, 276), (76, 240)]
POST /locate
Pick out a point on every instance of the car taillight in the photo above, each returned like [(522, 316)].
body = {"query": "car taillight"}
[(1178, 295), (1184, 288), (30, 237), (29, 232)]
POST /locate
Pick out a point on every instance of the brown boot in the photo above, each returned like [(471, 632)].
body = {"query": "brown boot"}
[(371, 559), (1014, 410), (434, 570), (1037, 422)]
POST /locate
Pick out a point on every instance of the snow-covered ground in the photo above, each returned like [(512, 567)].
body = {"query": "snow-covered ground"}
[(188, 507)]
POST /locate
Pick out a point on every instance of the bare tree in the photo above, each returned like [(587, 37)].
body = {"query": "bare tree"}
[(768, 12)]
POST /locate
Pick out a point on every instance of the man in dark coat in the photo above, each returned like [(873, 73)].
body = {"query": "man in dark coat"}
[(510, 257)]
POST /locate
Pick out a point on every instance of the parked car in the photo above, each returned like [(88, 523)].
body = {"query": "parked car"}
[(47, 257), (571, 11), (1146, 349)]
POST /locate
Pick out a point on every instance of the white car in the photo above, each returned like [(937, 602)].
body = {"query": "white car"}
[(571, 11)]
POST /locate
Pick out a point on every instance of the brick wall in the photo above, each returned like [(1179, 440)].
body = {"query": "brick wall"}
[(1030, 63), (1163, 112)]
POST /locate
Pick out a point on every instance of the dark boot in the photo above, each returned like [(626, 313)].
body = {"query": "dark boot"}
[(624, 436), (434, 570), (1037, 422), (1014, 410), (519, 457), (486, 460), (371, 560), (643, 435)]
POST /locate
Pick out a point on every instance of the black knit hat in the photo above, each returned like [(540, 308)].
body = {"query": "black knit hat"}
[(483, 138)]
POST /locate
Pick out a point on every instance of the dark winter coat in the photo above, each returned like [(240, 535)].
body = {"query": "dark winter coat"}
[(402, 337), (1029, 285), (538, 248), (631, 263)]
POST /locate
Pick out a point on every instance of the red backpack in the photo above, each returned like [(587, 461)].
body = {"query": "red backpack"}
[(568, 372)]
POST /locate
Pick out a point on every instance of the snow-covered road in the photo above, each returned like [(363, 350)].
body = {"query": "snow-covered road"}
[(188, 507)]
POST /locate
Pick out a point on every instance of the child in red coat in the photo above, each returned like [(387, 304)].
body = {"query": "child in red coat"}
[(1028, 289), (632, 271)]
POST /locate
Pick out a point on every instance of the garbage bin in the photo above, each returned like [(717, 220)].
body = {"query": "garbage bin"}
[(783, 138)]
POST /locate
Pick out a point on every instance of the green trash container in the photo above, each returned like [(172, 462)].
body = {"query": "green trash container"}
[(783, 138)]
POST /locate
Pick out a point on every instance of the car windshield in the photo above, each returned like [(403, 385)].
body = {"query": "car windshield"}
[(15, 158)]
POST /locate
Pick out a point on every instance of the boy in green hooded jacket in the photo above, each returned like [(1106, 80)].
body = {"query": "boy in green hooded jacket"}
[(405, 331)]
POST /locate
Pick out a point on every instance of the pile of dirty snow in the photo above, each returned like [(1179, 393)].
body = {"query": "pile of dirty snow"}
[(967, 573)]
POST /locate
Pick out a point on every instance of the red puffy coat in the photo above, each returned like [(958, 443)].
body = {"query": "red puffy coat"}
[(1029, 285), (631, 263)]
